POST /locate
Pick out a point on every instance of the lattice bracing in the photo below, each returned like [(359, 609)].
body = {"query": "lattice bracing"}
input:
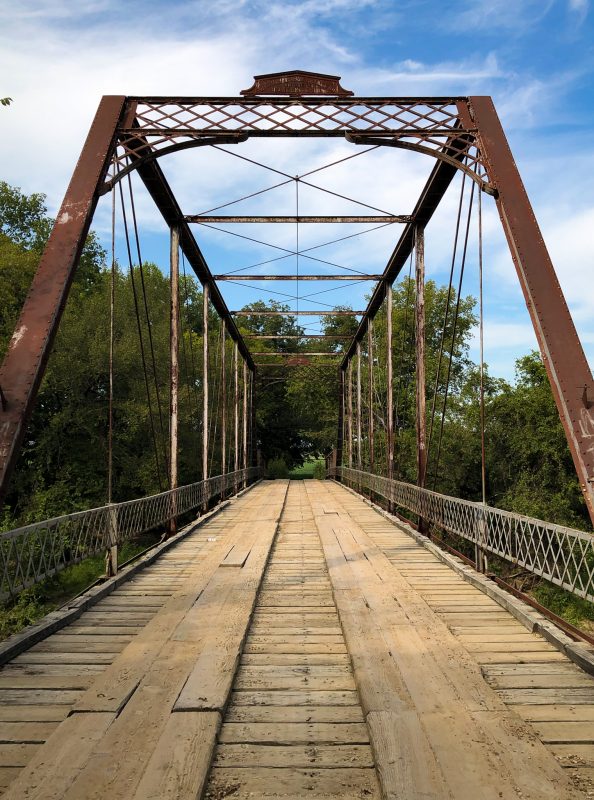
[(163, 124), (34, 552), (563, 556)]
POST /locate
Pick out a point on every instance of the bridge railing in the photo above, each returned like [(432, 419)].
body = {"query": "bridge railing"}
[(563, 556), (37, 551)]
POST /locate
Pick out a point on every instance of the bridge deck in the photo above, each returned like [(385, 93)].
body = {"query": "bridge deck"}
[(296, 644)]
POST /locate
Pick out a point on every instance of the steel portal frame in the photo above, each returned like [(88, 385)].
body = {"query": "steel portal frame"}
[(460, 133)]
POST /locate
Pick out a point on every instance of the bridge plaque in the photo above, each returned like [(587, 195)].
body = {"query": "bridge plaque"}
[(296, 83)]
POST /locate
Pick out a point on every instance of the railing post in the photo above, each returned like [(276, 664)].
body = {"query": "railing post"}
[(111, 556), (205, 293), (390, 389), (420, 362), (173, 373)]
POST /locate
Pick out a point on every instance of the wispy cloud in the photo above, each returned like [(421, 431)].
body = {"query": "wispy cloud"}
[(489, 14)]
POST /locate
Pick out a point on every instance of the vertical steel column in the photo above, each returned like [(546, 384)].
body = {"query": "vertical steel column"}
[(420, 354), (223, 401), (205, 293), (341, 401), (421, 416), (350, 413), (371, 421), (389, 384), (569, 374), (31, 344), (245, 418), (236, 414), (359, 453), (111, 556), (173, 372)]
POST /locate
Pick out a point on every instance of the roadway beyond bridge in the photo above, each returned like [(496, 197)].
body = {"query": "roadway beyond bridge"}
[(296, 644)]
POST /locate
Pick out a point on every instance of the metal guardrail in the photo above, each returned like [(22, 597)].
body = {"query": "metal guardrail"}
[(563, 556), (37, 551)]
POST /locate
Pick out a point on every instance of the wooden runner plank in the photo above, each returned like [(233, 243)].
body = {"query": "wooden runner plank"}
[(446, 688)]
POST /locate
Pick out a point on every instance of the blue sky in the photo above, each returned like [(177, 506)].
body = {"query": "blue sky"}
[(536, 58)]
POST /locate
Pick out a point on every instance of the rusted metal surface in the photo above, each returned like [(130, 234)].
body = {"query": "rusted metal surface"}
[(173, 367), (379, 220), (421, 416), (297, 313), (371, 422), (29, 348), (305, 354), (205, 380), (296, 83), (389, 381), (569, 374), (360, 276), (359, 428), (295, 336)]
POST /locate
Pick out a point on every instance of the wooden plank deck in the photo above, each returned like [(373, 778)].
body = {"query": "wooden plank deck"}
[(298, 644)]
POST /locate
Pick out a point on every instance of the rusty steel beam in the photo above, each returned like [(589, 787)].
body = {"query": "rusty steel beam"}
[(371, 432), (293, 336), (297, 313), (389, 381), (284, 365), (421, 415), (358, 277), (383, 219), (205, 387), (569, 374), (174, 329), (296, 355), (341, 403), (30, 346)]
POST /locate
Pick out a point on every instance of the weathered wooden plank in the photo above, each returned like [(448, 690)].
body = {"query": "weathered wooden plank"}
[(294, 732), (33, 713), (26, 732), (288, 714), (292, 783), (565, 732), (27, 697), (400, 745), (310, 756), (295, 698), (17, 755), (55, 764), (178, 767)]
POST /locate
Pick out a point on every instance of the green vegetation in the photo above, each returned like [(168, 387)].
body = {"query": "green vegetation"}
[(277, 468), (312, 468), (34, 603)]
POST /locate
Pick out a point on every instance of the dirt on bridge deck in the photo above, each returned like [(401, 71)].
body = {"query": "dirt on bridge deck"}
[(298, 644)]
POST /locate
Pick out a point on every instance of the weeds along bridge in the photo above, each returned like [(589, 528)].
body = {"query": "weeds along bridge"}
[(297, 638)]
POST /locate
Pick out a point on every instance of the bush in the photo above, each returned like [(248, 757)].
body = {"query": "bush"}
[(319, 471), (277, 468)]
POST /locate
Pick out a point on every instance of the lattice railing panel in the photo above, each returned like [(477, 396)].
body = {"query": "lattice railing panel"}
[(34, 552), (563, 556)]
